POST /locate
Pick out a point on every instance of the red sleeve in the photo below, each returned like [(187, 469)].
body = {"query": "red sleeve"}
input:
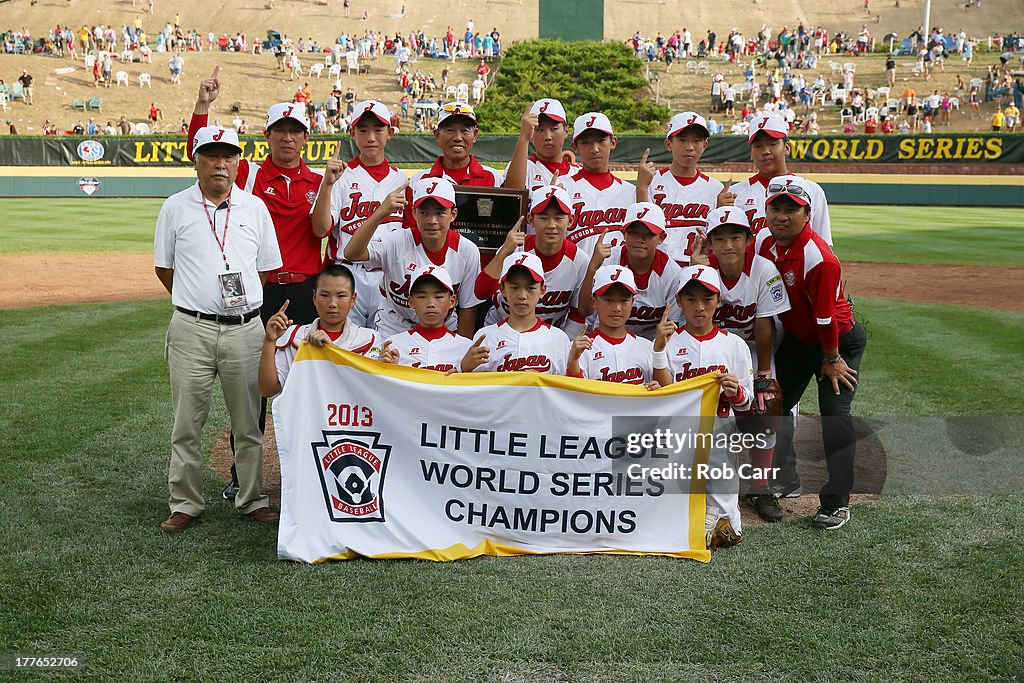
[(822, 283), (578, 375), (198, 121), (485, 286)]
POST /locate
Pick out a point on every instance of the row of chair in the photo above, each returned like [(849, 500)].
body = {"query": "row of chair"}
[(91, 104), (121, 78), (334, 70)]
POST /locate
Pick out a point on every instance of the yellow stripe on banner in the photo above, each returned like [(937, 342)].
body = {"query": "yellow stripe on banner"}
[(698, 487), (460, 551), (509, 379)]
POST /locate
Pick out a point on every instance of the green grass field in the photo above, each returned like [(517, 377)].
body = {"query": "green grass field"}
[(915, 588), (864, 233)]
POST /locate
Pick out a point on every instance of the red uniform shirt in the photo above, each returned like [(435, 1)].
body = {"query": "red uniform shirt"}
[(819, 311), (289, 194)]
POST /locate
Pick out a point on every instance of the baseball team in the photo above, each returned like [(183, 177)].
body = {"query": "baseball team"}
[(675, 276)]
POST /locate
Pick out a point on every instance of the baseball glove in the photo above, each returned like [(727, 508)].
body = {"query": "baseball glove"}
[(767, 397), (765, 407)]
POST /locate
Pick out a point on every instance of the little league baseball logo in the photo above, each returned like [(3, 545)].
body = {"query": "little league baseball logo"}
[(89, 185), (311, 197), (90, 150), (351, 465)]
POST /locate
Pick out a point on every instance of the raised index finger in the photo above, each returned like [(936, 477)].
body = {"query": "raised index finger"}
[(216, 72), (728, 184), (478, 342), (337, 152), (647, 151), (285, 306)]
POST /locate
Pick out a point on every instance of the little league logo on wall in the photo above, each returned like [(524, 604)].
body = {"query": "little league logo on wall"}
[(351, 465), (89, 185), (90, 150)]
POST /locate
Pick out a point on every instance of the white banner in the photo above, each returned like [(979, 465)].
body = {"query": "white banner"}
[(384, 461)]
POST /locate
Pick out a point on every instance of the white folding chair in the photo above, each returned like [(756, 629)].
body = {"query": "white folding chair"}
[(316, 70), (844, 114), (352, 61), (141, 129), (955, 103), (691, 67), (90, 61), (334, 71), (462, 95), (850, 67), (127, 55), (836, 67), (704, 67), (450, 92), (883, 93), (145, 79), (121, 77)]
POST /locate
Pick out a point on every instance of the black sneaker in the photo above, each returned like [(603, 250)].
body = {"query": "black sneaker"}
[(767, 506), (790, 489), (830, 518), (230, 491)]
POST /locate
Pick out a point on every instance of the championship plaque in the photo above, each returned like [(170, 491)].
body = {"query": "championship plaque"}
[(486, 214)]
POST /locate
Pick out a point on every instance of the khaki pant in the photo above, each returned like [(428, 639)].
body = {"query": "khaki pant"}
[(197, 352)]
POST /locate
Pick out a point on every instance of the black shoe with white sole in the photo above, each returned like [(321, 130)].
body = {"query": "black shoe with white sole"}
[(230, 491), (767, 506), (830, 518)]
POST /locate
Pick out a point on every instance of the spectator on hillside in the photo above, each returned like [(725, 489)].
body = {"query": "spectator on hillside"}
[(26, 81), (11, 129), (478, 90), (1012, 117), (483, 69), (175, 64)]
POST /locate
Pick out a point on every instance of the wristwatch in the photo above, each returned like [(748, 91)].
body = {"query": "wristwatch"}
[(832, 361)]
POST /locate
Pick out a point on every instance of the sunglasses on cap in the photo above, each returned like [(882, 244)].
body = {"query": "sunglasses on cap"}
[(453, 108), (794, 190)]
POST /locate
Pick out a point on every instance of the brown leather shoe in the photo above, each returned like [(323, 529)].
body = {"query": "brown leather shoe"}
[(178, 521), (264, 516)]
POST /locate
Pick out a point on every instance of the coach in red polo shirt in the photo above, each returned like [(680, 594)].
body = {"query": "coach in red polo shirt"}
[(455, 134), (822, 341), (288, 188)]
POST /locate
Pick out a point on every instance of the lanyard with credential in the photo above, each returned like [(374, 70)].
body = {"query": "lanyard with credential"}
[(213, 228)]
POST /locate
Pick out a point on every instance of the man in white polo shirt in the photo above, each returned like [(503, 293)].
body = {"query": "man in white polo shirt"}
[(214, 246)]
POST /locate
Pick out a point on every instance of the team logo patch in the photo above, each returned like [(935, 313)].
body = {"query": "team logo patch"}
[(789, 277), (89, 185), (351, 465), (599, 355), (414, 350), (311, 197), (776, 293), (501, 344), (90, 150), (269, 190)]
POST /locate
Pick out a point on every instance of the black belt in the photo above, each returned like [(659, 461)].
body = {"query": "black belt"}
[(222, 319)]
